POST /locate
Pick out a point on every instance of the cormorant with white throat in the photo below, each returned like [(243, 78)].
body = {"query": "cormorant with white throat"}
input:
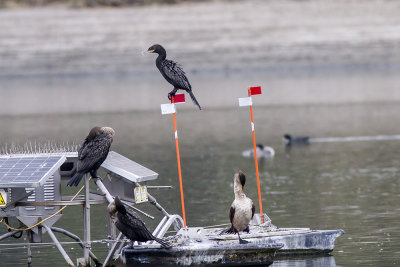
[(262, 152), (92, 153), (130, 224), (242, 208), (172, 72)]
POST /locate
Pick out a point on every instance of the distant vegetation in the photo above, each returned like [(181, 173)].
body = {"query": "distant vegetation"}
[(87, 3)]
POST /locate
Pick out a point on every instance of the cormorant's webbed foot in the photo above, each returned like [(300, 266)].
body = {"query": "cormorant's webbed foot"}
[(241, 241), (131, 244), (97, 177), (94, 175), (172, 93)]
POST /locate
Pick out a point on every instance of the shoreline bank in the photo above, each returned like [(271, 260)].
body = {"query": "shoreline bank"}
[(55, 59)]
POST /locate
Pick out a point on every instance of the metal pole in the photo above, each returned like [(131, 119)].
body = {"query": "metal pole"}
[(138, 210), (110, 199), (179, 169), (29, 255), (112, 250), (29, 239), (112, 232), (256, 160), (171, 109), (8, 234), (76, 238), (60, 248), (103, 189), (86, 223), (153, 201)]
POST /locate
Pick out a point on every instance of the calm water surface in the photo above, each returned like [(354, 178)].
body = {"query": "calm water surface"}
[(350, 186)]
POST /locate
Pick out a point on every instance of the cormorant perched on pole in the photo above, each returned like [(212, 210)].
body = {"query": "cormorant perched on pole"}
[(130, 224), (172, 72), (242, 208), (92, 153)]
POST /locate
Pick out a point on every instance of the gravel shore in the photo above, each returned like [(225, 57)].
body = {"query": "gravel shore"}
[(218, 35), (57, 59)]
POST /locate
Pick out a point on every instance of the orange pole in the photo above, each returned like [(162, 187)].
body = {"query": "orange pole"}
[(256, 161), (179, 168)]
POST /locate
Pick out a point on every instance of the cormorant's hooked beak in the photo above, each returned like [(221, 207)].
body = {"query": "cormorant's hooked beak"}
[(150, 50)]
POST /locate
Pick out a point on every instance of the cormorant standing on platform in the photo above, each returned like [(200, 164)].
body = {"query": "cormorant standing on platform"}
[(242, 208), (130, 224), (92, 153), (172, 72)]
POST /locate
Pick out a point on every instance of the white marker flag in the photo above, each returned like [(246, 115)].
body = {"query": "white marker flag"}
[(245, 101), (168, 109)]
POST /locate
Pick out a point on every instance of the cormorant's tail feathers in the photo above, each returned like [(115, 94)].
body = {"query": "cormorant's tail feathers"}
[(162, 242), (194, 98), (227, 231), (74, 181)]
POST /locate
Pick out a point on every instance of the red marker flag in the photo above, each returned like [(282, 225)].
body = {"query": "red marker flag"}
[(180, 98), (255, 90)]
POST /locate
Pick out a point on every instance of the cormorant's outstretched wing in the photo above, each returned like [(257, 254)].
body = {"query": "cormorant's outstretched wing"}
[(93, 151), (174, 73)]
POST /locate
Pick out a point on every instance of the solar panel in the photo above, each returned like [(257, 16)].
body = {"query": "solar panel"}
[(127, 168), (29, 170)]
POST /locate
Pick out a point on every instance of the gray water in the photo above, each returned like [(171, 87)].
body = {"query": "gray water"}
[(327, 69), (351, 186), (56, 59)]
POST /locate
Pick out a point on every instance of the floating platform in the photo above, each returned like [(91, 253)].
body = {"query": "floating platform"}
[(203, 253), (189, 245), (205, 246)]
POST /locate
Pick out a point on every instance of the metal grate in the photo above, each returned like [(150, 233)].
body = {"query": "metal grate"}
[(31, 198), (49, 192)]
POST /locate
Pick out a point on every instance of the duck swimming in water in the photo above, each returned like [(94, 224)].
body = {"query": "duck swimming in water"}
[(130, 224), (262, 152), (290, 140), (242, 208)]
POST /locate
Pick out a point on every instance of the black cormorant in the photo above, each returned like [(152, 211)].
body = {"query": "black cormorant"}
[(242, 208), (290, 140), (92, 153), (172, 72), (130, 224)]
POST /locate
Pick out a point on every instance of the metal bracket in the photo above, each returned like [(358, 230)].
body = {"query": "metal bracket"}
[(166, 223), (60, 248)]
